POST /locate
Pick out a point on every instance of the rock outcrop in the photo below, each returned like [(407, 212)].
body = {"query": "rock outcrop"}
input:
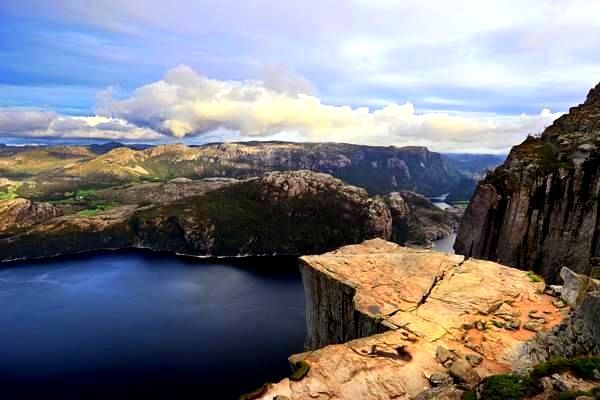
[(394, 321), (539, 210), (21, 213), (579, 334), (417, 221)]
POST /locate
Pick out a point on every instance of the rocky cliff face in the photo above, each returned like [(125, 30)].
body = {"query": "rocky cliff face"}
[(22, 213), (539, 210)]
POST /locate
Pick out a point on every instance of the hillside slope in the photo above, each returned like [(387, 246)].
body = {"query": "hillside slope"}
[(280, 213), (379, 170)]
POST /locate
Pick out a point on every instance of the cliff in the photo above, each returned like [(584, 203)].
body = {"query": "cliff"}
[(539, 210), (21, 213), (387, 322), (280, 213)]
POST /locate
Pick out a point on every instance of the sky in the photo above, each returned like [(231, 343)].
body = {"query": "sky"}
[(459, 76)]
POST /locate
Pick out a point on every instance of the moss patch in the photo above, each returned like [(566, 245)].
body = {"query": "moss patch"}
[(534, 277), (515, 387), (509, 387), (95, 208), (548, 160), (10, 192), (300, 368), (582, 367)]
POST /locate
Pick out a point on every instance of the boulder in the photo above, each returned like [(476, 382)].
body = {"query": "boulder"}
[(440, 379), (576, 286), (441, 393), (443, 355), (474, 359), (463, 372)]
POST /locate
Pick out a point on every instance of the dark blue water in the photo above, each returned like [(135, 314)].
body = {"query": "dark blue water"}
[(141, 325)]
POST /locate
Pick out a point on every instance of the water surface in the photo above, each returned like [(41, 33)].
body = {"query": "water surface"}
[(141, 325), (445, 245)]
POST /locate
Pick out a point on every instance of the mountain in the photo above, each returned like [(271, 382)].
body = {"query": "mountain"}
[(50, 172), (279, 213), (539, 210), (473, 168), (293, 212), (474, 165)]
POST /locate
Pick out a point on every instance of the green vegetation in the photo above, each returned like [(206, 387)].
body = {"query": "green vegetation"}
[(497, 324), (548, 160), (85, 193), (515, 387), (10, 192), (96, 208), (583, 367), (85, 201), (241, 222), (469, 396), (534, 277), (300, 368), (503, 180), (460, 204), (509, 387)]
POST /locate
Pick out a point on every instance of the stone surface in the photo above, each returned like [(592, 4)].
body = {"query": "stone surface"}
[(463, 372), (441, 393), (23, 213), (474, 359), (430, 294), (443, 355), (385, 319), (540, 208), (576, 286), (440, 379), (577, 335)]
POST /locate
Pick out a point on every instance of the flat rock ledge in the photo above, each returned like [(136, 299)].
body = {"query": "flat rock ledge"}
[(382, 319)]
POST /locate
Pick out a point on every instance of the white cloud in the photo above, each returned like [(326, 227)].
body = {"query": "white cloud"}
[(19, 122), (185, 104)]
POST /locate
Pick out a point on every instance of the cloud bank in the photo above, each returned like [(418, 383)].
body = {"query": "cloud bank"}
[(31, 123), (185, 105)]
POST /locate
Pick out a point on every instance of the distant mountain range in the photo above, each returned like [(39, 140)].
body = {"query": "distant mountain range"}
[(52, 172)]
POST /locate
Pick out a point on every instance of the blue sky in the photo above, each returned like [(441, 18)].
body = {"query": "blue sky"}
[(463, 75)]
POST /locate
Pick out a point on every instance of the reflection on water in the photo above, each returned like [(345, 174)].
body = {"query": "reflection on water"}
[(140, 325), (445, 245)]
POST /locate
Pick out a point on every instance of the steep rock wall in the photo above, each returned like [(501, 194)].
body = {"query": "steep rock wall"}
[(331, 316), (539, 210)]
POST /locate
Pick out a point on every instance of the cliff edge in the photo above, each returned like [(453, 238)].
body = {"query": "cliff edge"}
[(394, 320)]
